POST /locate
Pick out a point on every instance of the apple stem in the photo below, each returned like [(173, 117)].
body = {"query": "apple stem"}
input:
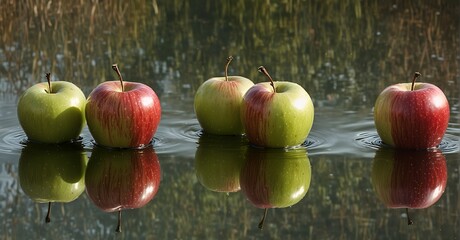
[(119, 221), (416, 75), (229, 59), (409, 220), (115, 68), (265, 72), (48, 78), (47, 218), (261, 224)]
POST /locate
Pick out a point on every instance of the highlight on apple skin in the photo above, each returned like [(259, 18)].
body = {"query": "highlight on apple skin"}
[(123, 114), (277, 114), (412, 115), (217, 103), (52, 112)]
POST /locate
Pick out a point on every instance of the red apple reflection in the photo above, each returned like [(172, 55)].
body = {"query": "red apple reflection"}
[(409, 178), (118, 179)]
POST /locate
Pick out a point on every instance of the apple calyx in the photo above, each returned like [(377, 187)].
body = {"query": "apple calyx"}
[(262, 221), (229, 59), (416, 75), (48, 79), (265, 72), (115, 68), (47, 218)]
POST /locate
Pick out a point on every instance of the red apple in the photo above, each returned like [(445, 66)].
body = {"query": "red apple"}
[(118, 179), (411, 115), (409, 178), (123, 114)]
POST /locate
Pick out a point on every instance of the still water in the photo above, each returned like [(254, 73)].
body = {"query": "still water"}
[(342, 52)]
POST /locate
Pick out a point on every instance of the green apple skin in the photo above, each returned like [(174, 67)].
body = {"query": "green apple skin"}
[(54, 117), (217, 104), (52, 173), (218, 162), (275, 178), (277, 119)]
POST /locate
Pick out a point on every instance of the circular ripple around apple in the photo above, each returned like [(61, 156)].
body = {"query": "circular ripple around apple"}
[(449, 144), (12, 141), (177, 136)]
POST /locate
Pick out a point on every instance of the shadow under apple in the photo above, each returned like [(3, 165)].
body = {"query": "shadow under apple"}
[(52, 172), (218, 162), (410, 179), (118, 179), (275, 178)]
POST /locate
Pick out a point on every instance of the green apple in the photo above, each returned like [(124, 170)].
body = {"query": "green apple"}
[(277, 114), (218, 162), (52, 173), (217, 103), (52, 112), (275, 178)]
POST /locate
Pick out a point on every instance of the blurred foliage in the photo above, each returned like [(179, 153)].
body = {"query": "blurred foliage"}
[(342, 52)]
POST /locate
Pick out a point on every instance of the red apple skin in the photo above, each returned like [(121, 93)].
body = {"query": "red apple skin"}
[(122, 179), (414, 119), (123, 119), (409, 178)]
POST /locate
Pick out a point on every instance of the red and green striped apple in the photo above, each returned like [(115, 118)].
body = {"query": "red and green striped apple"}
[(277, 114), (412, 115), (123, 114)]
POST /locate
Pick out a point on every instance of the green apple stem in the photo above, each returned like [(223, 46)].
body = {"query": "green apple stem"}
[(265, 72), (115, 68), (229, 59), (48, 78), (47, 218), (409, 220), (416, 75), (261, 224), (119, 221)]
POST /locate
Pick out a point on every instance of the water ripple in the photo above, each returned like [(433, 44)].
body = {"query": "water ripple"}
[(448, 145)]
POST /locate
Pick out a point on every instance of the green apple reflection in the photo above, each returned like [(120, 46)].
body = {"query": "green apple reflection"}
[(409, 178), (275, 178), (118, 179), (218, 162), (52, 173)]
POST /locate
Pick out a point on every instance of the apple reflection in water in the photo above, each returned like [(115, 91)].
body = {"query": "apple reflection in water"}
[(411, 179), (218, 162), (275, 178), (118, 179), (52, 173)]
